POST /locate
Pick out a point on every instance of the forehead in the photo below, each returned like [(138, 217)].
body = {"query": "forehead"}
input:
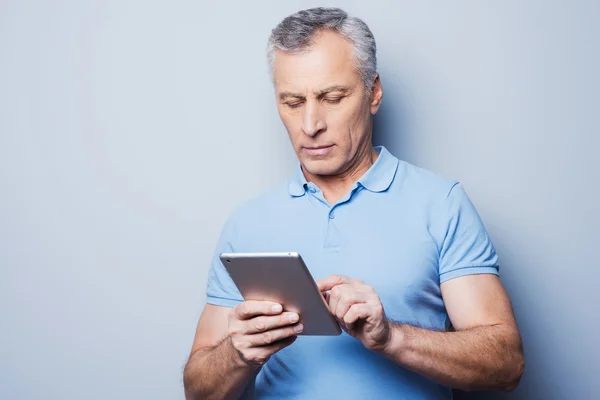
[(329, 61)]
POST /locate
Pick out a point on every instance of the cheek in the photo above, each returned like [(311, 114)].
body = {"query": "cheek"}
[(360, 115), (346, 123), (358, 124)]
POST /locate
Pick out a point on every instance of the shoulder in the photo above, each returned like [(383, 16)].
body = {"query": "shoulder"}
[(424, 185)]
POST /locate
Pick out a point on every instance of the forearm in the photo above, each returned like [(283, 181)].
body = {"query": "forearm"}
[(216, 373), (481, 358)]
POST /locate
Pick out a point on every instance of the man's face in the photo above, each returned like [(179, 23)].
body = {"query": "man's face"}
[(323, 105)]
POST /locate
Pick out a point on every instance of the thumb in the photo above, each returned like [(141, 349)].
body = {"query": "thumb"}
[(329, 282)]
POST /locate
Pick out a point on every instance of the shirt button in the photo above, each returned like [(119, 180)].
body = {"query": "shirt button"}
[(332, 215)]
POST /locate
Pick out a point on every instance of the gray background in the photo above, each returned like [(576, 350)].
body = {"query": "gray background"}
[(129, 130)]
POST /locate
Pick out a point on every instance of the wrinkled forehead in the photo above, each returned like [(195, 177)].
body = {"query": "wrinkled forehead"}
[(328, 61)]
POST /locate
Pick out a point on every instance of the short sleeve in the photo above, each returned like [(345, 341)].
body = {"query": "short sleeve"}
[(220, 290), (466, 248)]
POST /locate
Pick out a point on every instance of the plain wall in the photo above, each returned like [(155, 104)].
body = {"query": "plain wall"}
[(129, 130)]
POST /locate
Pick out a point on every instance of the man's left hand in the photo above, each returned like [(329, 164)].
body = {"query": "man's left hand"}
[(358, 309)]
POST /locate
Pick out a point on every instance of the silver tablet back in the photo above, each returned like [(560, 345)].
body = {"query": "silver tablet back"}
[(282, 278)]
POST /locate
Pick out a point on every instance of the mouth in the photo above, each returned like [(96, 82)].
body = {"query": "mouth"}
[(317, 151)]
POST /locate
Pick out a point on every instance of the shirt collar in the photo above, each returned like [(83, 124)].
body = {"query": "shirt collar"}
[(298, 182), (378, 177)]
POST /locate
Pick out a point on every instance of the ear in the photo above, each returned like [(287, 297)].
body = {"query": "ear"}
[(376, 95)]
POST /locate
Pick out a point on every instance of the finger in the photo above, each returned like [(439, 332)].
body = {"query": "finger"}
[(335, 295), (333, 299), (265, 323), (331, 281), (252, 308), (356, 312), (260, 355), (270, 337), (280, 344), (346, 301)]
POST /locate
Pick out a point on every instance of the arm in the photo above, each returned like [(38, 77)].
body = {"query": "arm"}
[(212, 357), (235, 343), (484, 353)]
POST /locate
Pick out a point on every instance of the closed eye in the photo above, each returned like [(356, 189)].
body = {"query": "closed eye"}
[(334, 101), (294, 105)]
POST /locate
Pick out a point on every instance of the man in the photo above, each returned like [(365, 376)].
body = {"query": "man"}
[(406, 264)]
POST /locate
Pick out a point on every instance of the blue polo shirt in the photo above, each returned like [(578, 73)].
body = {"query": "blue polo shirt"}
[(401, 229)]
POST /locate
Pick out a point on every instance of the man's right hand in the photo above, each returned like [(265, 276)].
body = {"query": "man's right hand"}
[(259, 329)]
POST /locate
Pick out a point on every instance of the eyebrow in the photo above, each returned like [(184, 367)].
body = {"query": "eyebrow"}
[(334, 88), (319, 94)]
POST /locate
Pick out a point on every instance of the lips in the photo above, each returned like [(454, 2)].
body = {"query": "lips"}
[(318, 151)]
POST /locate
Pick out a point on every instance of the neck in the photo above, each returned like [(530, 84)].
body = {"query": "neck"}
[(335, 186)]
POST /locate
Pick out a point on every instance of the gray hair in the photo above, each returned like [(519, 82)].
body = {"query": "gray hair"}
[(296, 32)]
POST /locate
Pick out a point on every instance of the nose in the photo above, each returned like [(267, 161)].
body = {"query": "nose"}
[(313, 120)]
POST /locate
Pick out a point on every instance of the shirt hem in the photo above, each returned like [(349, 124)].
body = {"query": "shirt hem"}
[(222, 301), (472, 270)]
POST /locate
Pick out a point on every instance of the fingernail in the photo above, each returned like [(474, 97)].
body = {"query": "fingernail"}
[(299, 327), (294, 318), (276, 308)]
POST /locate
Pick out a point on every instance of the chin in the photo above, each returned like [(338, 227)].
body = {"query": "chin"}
[(320, 167)]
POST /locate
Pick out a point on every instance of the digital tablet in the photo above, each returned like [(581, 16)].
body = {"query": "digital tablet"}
[(284, 279)]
